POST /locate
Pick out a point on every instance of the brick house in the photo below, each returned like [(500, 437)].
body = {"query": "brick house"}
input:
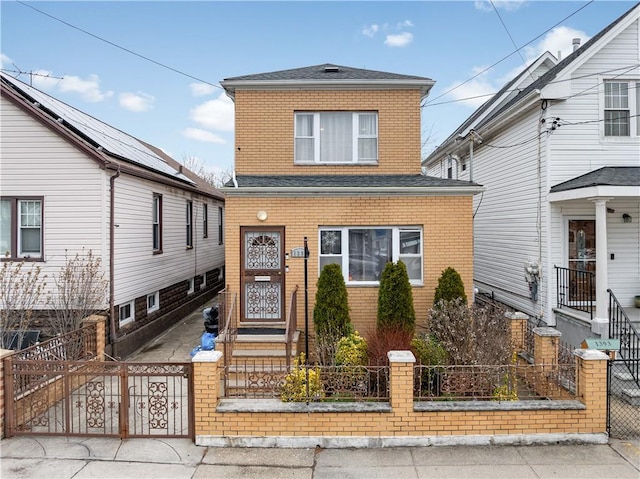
[(332, 154)]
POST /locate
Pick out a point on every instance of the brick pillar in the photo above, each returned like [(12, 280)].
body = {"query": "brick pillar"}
[(591, 388), (401, 380), (518, 330), (545, 344), (100, 338), (206, 389), (3, 354)]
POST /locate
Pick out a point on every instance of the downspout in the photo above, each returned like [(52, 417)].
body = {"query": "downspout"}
[(112, 242), (471, 159)]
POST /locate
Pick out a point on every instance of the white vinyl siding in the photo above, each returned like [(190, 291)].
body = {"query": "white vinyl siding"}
[(336, 137)]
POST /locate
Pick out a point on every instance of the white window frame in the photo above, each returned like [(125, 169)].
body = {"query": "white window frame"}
[(355, 137), (395, 253), (155, 297), (156, 208), (633, 107), (205, 220), (203, 283), (191, 285), (189, 224), (132, 311)]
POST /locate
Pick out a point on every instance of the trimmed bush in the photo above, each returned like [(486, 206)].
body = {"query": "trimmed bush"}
[(330, 313), (450, 287), (294, 388), (352, 351), (429, 351), (395, 299)]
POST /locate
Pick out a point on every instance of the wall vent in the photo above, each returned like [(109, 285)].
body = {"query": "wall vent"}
[(331, 69)]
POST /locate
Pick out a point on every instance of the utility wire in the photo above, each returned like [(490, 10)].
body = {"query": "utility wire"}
[(512, 40), (120, 47), (504, 58)]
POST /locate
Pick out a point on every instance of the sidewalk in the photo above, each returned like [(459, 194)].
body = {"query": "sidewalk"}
[(83, 458)]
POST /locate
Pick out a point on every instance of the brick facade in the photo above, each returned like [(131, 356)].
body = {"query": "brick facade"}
[(447, 240), (265, 124)]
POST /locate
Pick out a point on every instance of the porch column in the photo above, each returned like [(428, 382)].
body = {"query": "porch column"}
[(600, 323)]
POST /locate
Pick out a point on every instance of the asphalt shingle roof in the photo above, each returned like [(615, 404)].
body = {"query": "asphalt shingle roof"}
[(346, 181), (326, 71), (607, 176)]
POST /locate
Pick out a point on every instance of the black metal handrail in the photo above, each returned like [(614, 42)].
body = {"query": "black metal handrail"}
[(621, 327), (576, 289)]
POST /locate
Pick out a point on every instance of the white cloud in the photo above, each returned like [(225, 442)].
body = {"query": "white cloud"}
[(215, 114), (399, 40), (136, 101), (405, 24), (371, 30), (5, 61), (88, 89), (507, 5), (557, 40), (473, 93), (201, 89), (203, 135)]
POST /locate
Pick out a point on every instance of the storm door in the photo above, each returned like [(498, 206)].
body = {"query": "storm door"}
[(581, 261), (262, 274)]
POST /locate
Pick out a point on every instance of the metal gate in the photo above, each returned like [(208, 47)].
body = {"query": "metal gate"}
[(98, 398), (623, 399)]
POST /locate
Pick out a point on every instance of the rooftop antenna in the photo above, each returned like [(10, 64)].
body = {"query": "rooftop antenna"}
[(31, 74)]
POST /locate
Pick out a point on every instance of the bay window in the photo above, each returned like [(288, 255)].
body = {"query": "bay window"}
[(336, 137), (363, 252)]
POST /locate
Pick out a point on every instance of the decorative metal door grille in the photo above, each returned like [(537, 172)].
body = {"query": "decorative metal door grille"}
[(92, 398), (263, 300), (262, 250), (262, 274)]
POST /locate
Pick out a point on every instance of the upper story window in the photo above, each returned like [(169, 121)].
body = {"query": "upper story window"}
[(621, 108), (189, 225), (336, 137), (157, 223), (205, 220), (220, 225), (21, 234)]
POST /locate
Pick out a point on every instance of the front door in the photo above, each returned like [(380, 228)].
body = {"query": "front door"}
[(262, 273), (581, 260)]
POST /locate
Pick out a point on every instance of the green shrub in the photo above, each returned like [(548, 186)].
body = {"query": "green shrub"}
[(330, 313), (450, 287), (395, 299), (429, 351), (294, 388), (352, 351)]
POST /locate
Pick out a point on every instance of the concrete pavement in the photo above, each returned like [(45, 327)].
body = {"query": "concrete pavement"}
[(83, 458)]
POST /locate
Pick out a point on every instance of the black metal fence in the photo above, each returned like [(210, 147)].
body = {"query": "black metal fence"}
[(623, 400), (576, 289)]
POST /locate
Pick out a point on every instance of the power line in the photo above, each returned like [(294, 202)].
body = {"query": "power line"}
[(554, 82), (510, 54), (120, 47), (512, 40)]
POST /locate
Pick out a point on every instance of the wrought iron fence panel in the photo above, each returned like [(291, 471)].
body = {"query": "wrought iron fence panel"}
[(96, 398), (492, 382)]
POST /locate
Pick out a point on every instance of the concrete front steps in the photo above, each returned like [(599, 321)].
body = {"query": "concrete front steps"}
[(258, 362), (624, 386)]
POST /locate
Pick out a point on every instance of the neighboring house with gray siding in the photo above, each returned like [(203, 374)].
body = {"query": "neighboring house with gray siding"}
[(558, 150), (71, 183)]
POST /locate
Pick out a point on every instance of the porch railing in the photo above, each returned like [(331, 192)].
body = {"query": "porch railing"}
[(621, 327), (576, 289), (229, 330), (291, 324)]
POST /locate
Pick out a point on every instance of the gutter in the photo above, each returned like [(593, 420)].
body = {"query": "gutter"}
[(361, 191), (112, 242)]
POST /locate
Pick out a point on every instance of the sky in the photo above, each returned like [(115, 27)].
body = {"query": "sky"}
[(152, 68)]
